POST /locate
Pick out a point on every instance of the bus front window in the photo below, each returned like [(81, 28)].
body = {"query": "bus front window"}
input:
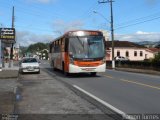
[(87, 47)]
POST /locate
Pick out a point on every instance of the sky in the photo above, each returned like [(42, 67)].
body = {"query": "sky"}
[(44, 20)]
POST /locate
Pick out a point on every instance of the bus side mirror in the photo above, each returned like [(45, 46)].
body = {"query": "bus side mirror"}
[(70, 54)]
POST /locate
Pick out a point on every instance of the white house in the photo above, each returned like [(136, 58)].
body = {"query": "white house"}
[(132, 51)]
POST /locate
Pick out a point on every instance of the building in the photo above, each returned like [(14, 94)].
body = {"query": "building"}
[(152, 52), (16, 52), (130, 50)]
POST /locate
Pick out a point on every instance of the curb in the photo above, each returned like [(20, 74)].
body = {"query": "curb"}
[(5, 74)]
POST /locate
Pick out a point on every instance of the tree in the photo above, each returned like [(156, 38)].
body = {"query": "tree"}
[(33, 48), (22, 51)]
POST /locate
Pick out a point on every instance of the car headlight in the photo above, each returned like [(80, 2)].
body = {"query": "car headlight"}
[(23, 67)]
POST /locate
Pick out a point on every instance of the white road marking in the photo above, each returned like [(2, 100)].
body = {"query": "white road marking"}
[(124, 115)]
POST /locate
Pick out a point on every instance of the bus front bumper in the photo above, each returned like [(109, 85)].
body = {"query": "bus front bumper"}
[(77, 69)]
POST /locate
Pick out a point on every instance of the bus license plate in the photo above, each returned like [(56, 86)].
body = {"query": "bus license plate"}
[(88, 69)]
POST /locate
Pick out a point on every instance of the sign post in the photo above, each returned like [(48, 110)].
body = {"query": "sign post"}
[(0, 55), (7, 36)]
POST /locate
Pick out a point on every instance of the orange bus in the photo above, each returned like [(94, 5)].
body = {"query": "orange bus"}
[(79, 51)]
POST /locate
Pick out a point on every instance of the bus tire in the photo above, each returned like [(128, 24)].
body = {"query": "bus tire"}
[(64, 72), (54, 69), (93, 73)]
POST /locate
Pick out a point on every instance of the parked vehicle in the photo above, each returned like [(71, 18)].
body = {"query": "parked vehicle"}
[(121, 58), (29, 65)]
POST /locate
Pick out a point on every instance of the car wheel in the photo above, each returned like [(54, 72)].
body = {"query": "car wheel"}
[(21, 72), (39, 72)]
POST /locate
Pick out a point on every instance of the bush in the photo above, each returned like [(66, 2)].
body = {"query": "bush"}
[(157, 58)]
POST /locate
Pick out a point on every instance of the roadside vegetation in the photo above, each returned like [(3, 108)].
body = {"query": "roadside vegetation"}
[(33, 48)]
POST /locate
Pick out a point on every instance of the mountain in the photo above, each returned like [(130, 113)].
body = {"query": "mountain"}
[(149, 43)]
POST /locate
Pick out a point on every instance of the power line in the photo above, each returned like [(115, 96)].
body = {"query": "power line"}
[(34, 11), (138, 19), (138, 23)]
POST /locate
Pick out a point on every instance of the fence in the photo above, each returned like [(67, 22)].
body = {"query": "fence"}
[(135, 64)]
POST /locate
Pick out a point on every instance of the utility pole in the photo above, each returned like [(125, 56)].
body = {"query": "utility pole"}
[(112, 29), (11, 55)]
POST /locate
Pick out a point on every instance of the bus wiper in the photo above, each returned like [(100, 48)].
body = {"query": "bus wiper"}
[(80, 41)]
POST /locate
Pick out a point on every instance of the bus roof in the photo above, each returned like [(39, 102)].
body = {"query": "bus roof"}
[(80, 33)]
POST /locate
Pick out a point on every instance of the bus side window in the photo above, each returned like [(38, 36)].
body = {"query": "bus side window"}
[(50, 50), (66, 44), (62, 45)]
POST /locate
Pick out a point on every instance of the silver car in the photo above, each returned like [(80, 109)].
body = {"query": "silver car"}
[(121, 58), (29, 65)]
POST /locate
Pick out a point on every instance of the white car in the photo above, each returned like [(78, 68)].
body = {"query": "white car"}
[(121, 58), (29, 65)]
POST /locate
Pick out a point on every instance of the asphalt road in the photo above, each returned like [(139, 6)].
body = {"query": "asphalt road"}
[(131, 93)]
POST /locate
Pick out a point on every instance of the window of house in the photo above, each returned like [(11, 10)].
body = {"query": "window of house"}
[(127, 54), (118, 53), (135, 53), (141, 53)]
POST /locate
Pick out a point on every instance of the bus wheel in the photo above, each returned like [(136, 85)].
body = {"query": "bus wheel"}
[(64, 72), (93, 73), (54, 69)]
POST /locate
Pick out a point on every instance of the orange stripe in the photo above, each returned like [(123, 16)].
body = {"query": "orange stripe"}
[(88, 64), (66, 62)]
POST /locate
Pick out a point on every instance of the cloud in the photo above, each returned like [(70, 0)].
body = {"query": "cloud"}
[(142, 33), (61, 26), (139, 36), (25, 38)]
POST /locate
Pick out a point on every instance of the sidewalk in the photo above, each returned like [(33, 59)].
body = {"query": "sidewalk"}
[(7, 96), (12, 72)]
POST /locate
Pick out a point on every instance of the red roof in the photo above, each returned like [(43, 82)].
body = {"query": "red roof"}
[(123, 44), (153, 50)]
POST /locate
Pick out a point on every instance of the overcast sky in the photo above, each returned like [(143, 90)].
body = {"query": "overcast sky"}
[(44, 20)]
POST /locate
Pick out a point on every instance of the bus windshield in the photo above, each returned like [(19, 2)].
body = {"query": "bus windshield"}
[(87, 47)]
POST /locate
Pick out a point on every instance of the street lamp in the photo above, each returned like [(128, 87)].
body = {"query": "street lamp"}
[(112, 30), (102, 16)]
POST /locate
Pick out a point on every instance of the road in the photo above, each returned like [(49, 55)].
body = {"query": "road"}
[(131, 93)]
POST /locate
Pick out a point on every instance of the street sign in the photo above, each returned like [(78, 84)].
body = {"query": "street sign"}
[(7, 35)]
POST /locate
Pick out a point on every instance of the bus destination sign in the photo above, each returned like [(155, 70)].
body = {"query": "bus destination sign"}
[(85, 33), (7, 34)]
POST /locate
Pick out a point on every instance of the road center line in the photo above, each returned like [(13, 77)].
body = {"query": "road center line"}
[(108, 76), (124, 115), (142, 84)]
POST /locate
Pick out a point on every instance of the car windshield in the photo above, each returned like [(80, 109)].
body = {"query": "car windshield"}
[(29, 60), (87, 47)]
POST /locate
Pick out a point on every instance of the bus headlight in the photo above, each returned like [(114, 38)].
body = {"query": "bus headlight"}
[(71, 61), (104, 60)]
